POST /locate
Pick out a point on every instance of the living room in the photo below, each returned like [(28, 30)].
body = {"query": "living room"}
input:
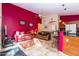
[(35, 29)]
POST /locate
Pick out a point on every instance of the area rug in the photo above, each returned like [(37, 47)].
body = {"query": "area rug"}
[(13, 52)]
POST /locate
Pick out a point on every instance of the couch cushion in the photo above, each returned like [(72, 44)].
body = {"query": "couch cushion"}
[(27, 44)]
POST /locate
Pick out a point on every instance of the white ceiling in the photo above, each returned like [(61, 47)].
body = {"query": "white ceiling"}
[(51, 8)]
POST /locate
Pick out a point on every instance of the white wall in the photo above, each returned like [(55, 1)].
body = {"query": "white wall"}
[(46, 19)]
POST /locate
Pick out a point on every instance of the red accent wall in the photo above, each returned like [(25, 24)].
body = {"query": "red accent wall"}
[(69, 18), (11, 15)]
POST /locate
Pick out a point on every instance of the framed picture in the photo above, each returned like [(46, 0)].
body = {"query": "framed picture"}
[(22, 22)]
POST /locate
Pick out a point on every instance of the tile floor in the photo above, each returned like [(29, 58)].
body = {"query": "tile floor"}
[(42, 48)]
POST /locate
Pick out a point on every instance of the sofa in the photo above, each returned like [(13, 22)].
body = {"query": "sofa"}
[(44, 35)]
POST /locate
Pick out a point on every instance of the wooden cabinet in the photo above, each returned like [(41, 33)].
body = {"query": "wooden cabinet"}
[(71, 45)]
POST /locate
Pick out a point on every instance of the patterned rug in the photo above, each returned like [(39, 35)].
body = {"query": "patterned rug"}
[(13, 52)]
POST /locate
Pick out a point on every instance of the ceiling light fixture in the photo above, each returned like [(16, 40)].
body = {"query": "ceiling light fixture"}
[(65, 8), (62, 4)]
